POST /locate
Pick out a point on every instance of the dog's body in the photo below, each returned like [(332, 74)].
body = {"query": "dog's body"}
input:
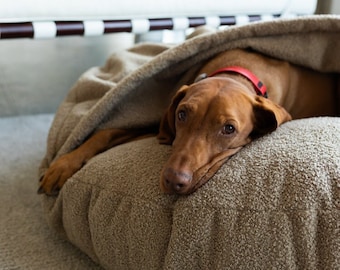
[(212, 119), (302, 92)]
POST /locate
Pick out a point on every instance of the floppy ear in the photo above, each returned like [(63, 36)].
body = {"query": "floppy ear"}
[(167, 130), (268, 116)]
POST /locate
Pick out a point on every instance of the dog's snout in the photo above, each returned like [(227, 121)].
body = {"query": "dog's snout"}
[(177, 181)]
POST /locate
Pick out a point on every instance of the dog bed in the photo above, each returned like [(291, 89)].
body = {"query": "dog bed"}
[(273, 205)]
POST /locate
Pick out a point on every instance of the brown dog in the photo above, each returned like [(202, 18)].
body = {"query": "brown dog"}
[(213, 118)]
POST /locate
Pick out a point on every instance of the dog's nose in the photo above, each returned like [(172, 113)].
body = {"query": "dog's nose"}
[(177, 181)]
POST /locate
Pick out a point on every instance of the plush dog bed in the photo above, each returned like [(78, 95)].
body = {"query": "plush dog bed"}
[(273, 205)]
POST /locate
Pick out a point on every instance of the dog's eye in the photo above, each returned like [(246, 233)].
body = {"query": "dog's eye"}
[(228, 129), (182, 115)]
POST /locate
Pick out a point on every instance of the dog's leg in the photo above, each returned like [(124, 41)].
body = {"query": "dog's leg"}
[(68, 164)]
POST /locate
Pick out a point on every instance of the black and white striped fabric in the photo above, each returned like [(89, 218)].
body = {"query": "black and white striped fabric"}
[(51, 29)]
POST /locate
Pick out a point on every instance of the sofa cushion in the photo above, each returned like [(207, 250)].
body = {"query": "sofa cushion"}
[(275, 204)]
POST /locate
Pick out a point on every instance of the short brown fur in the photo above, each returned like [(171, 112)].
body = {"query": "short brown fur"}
[(212, 119)]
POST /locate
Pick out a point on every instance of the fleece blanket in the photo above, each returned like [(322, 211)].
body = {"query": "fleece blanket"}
[(273, 205)]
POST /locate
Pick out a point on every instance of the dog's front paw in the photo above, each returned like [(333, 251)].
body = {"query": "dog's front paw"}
[(57, 174)]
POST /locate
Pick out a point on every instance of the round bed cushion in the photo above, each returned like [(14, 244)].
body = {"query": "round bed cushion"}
[(275, 204)]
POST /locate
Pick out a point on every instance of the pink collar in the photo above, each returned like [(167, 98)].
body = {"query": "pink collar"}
[(259, 87)]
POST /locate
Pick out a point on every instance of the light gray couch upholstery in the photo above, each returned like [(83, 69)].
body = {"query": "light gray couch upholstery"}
[(31, 89)]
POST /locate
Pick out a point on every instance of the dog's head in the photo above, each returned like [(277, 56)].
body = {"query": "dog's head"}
[(206, 123)]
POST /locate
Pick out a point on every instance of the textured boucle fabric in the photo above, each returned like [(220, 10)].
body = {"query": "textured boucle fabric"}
[(26, 242), (273, 205)]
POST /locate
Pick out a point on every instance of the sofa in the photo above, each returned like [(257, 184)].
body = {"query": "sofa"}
[(37, 76)]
